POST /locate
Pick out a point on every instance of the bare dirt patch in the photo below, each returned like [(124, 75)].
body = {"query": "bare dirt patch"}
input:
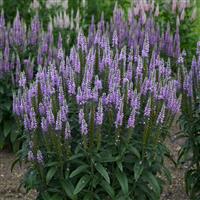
[(175, 191), (9, 182)]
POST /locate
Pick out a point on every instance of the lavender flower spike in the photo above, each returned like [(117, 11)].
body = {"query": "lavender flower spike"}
[(99, 114), (147, 110), (67, 131), (31, 156), (22, 80), (131, 120), (161, 115), (81, 116), (84, 128), (40, 158)]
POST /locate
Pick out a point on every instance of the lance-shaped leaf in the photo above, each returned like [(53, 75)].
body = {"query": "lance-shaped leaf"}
[(79, 170), (81, 184), (50, 174), (123, 181), (99, 167)]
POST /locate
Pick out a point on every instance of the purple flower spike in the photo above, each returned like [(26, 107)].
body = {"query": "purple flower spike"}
[(59, 122), (44, 124), (98, 83), (27, 123), (139, 70), (161, 115), (50, 117), (81, 116), (67, 131), (84, 128), (145, 50), (33, 124), (82, 43), (115, 39), (99, 114), (64, 112), (120, 115), (147, 110), (40, 158), (22, 80), (35, 30), (131, 120), (31, 156)]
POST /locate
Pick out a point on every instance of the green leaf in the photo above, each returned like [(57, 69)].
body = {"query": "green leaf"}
[(102, 171), (147, 192), (95, 180), (151, 179), (134, 151), (14, 163), (50, 174), (46, 196), (56, 197), (74, 157), (51, 164), (88, 196), (68, 188), (13, 136), (7, 128), (7, 106), (2, 140), (138, 169), (108, 188), (123, 181), (107, 157), (79, 170), (119, 164), (81, 184)]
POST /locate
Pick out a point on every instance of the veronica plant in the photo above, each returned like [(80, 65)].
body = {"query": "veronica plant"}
[(189, 123), (96, 120), (22, 50)]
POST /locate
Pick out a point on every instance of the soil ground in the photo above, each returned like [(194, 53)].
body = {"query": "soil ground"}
[(9, 182)]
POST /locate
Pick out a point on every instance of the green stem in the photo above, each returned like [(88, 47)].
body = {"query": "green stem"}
[(91, 130)]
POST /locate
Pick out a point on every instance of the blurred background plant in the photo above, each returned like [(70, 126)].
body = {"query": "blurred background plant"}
[(189, 122), (182, 13)]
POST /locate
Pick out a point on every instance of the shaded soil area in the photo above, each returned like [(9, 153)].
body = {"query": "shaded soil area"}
[(9, 182), (175, 191)]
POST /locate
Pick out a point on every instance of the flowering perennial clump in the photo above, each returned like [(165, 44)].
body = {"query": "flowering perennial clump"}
[(105, 81), (103, 71), (113, 91), (99, 114), (94, 116)]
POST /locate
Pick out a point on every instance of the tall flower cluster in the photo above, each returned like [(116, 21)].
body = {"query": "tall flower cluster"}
[(107, 82), (23, 48), (18, 40), (191, 77)]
